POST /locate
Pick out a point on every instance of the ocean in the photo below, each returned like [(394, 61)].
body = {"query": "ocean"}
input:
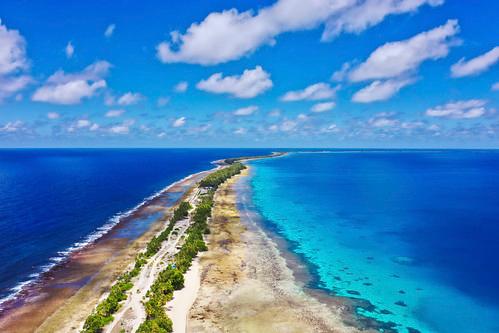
[(54, 201), (413, 235)]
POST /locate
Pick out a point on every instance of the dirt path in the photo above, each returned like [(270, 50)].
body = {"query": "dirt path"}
[(132, 312)]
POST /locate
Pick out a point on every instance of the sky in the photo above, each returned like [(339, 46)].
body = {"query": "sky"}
[(219, 73)]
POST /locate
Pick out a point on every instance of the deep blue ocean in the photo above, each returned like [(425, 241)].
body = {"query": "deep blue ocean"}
[(415, 233), (52, 199)]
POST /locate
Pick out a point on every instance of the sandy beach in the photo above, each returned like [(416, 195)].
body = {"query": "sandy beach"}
[(64, 296), (246, 285)]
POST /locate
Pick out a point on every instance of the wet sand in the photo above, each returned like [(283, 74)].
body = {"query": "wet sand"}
[(63, 297), (247, 286)]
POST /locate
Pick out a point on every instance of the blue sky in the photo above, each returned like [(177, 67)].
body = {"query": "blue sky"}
[(283, 73)]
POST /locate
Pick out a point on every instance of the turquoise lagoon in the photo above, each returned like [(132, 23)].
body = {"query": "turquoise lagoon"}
[(414, 233)]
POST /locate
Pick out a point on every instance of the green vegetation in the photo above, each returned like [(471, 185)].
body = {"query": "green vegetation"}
[(160, 293), (216, 178), (102, 315), (233, 160), (171, 278)]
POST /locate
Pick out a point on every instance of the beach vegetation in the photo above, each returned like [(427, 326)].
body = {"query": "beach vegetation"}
[(216, 178), (103, 313), (171, 278)]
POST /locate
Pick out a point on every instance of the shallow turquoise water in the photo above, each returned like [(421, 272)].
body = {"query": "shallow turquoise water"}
[(414, 233)]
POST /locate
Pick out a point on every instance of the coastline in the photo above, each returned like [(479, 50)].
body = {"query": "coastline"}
[(63, 295), (247, 285)]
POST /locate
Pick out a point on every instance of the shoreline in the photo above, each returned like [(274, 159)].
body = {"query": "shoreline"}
[(305, 273), (74, 285), (247, 285)]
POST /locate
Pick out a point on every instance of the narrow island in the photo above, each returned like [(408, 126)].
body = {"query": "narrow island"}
[(206, 266)]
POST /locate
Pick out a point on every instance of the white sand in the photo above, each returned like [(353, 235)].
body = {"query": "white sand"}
[(178, 308)]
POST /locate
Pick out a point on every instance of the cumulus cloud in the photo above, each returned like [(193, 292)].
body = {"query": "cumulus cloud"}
[(399, 58), (69, 50), (53, 115), (13, 62), (240, 131), (179, 122), (64, 88), (314, 92), (67, 93), (331, 128), (115, 113), (246, 111), (10, 85), (129, 98), (230, 34), (467, 109), (323, 107), (342, 73), (381, 90), (365, 14), (82, 124), (382, 121), (12, 126), (123, 128), (251, 83), (476, 65), (109, 30), (181, 87)]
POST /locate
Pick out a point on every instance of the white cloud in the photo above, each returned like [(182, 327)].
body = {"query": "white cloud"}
[(63, 88), (383, 122), (251, 83), (9, 85), (341, 74), (370, 12), (476, 65), (93, 72), (332, 128), (115, 113), (179, 122), (12, 126), (240, 131), (230, 35), (323, 107), (109, 30), (129, 98), (381, 90), (82, 123), (181, 87), (399, 58), (12, 52), (67, 93), (246, 111), (13, 62), (70, 50), (53, 115), (495, 86), (123, 128), (467, 109), (162, 101), (314, 92)]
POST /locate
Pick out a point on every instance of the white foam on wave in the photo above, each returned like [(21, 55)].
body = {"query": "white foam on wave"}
[(64, 255)]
